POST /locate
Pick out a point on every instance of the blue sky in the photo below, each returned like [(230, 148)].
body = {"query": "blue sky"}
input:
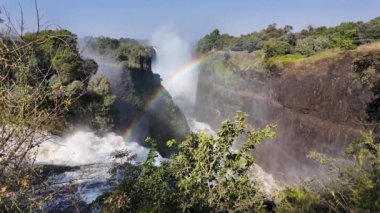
[(141, 18)]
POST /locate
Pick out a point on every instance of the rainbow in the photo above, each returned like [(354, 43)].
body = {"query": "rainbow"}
[(152, 101)]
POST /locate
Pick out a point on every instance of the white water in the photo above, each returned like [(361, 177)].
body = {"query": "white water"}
[(173, 51), (83, 148), (197, 126), (93, 154)]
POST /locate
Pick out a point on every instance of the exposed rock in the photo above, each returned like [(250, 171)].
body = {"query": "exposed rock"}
[(142, 108), (154, 113), (320, 105)]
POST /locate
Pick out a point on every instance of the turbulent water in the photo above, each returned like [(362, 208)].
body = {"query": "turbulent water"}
[(91, 154)]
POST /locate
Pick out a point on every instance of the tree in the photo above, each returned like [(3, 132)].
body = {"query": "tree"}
[(370, 31), (272, 32), (288, 29), (275, 48), (309, 46), (212, 41), (206, 174)]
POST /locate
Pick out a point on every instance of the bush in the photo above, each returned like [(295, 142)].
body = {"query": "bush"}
[(29, 107), (343, 43), (353, 183), (105, 45), (309, 46), (213, 41), (205, 175), (370, 31), (346, 36), (276, 48), (66, 62)]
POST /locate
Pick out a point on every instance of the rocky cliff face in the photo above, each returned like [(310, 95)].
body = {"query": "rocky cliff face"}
[(143, 108), (148, 110), (320, 104)]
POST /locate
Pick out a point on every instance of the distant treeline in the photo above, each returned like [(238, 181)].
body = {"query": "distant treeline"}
[(277, 41)]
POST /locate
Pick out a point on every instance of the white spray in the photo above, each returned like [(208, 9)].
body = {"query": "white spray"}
[(83, 148), (173, 52), (92, 154)]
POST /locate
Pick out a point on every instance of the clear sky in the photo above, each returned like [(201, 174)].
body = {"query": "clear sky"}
[(193, 18)]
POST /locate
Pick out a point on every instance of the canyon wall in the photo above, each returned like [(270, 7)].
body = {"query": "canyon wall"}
[(320, 103)]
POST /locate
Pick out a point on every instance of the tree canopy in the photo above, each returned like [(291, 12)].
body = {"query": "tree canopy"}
[(347, 35)]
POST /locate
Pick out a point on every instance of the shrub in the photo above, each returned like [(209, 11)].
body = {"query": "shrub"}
[(212, 41), (29, 107), (206, 174), (276, 48), (370, 31), (353, 183), (65, 62), (309, 46)]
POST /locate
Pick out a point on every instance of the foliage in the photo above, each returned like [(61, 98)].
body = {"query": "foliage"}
[(370, 31), (43, 80), (65, 63), (310, 46), (129, 52), (343, 43), (95, 108), (309, 41), (213, 41), (134, 56), (206, 174), (276, 48), (29, 107), (136, 85), (354, 184), (250, 42), (280, 61), (105, 44), (56, 53)]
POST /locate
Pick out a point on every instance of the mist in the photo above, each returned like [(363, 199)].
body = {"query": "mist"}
[(107, 66), (173, 52)]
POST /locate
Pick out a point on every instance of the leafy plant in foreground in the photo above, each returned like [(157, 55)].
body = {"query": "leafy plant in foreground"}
[(206, 174), (353, 184)]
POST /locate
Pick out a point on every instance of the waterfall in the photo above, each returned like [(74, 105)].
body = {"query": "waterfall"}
[(91, 154), (83, 148)]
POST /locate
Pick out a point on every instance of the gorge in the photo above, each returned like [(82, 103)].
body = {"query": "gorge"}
[(324, 109), (228, 123)]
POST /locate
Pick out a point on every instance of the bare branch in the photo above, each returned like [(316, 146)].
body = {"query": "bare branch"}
[(21, 20), (38, 16)]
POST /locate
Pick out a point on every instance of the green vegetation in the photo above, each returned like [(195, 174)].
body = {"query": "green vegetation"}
[(57, 64), (206, 174), (275, 48), (213, 41), (277, 42), (296, 58), (353, 183), (46, 87), (41, 77), (128, 52), (137, 86)]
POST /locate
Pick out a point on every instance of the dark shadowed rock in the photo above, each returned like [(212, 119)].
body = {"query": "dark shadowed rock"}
[(318, 105)]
